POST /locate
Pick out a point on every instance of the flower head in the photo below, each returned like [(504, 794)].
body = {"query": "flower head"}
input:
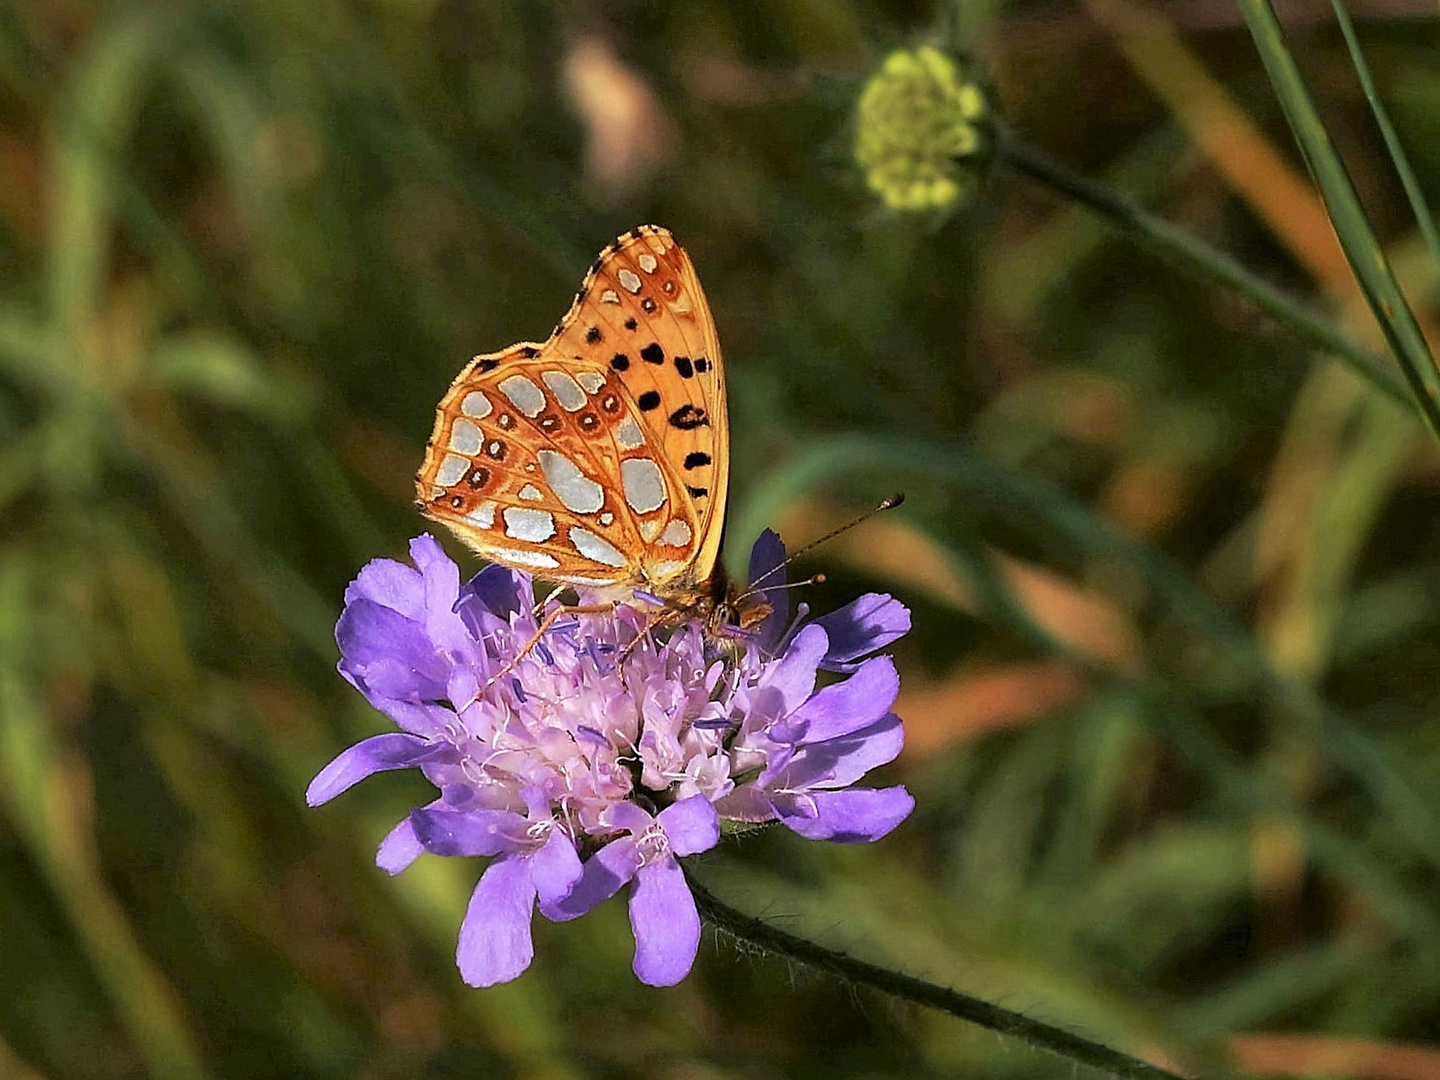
[(922, 133), (584, 759)]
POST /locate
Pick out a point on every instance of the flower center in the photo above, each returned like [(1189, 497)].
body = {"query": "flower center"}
[(652, 845)]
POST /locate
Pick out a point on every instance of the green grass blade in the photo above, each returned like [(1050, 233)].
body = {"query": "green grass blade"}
[(1387, 131), (1362, 250)]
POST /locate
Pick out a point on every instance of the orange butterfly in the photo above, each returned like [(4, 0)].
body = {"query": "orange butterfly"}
[(600, 458)]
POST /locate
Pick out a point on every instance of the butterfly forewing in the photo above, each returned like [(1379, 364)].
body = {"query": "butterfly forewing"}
[(599, 457)]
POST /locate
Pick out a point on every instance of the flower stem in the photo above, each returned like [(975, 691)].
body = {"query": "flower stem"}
[(1040, 1035), (1210, 262)]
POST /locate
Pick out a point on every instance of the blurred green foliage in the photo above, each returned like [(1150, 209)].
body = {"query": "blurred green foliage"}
[(1172, 685)]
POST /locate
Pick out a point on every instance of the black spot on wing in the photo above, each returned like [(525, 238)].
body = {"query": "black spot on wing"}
[(688, 418), (648, 400), (652, 353)]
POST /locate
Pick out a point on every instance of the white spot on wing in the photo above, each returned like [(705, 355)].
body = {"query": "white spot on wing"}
[(595, 548), (609, 296), (628, 434), (533, 526), (592, 381), (566, 390), (629, 280), (465, 436), (525, 558), (531, 493), (681, 304), (676, 534), (476, 404), (606, 518), (649, 530), (483, 515), (667, 569), (573, 488), (648, 263), (451, 470), (644, 486), (524, 395)]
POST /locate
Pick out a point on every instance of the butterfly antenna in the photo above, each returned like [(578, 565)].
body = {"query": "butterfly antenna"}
[(884, 504), (816, 579)]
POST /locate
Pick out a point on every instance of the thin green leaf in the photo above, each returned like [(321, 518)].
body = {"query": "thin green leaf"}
[(1362, 250), (1387, 130)]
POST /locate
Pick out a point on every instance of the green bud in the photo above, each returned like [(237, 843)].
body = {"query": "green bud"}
[(922, 130)]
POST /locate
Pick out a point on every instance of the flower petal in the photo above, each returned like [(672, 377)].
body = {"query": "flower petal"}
[(847, 706), (789, 681), (555, 868), (665, 922), (768, 554), (495, 943), (378, 753), (605, 872), (862, 626), (390, 583), (749, 803), (468, 832), (390, 653), (399, 849), (691, 825), (502, 592), (850, 816), (837, 763)]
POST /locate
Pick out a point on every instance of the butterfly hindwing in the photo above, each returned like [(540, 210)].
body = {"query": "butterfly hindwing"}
[(600, 456)]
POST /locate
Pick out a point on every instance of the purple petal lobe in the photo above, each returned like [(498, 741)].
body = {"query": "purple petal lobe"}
[(691, 825), (862, 626), (503, 592), (604, 874), (555, 867), (767, 554), (391, 584), (468, 832), (847, 817), (376, 754), (848, 706), (390, 652), (665, 922), (495, 941), (399, 849), (789, 681), (839, 762)]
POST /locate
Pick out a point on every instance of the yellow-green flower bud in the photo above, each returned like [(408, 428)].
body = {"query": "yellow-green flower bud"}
[(922, 131)]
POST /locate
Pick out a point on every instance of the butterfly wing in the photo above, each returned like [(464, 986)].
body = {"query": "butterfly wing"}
[(599, 457)]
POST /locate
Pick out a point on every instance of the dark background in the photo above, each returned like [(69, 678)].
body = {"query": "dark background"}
[(1171, 694)]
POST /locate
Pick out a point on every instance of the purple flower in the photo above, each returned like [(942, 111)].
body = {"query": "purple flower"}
[(590, 759)]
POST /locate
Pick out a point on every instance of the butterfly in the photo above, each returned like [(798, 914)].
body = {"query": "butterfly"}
[(600, 457)]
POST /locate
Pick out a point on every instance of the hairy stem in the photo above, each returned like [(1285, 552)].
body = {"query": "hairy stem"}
[(1196, 255), (1039, 1035)]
